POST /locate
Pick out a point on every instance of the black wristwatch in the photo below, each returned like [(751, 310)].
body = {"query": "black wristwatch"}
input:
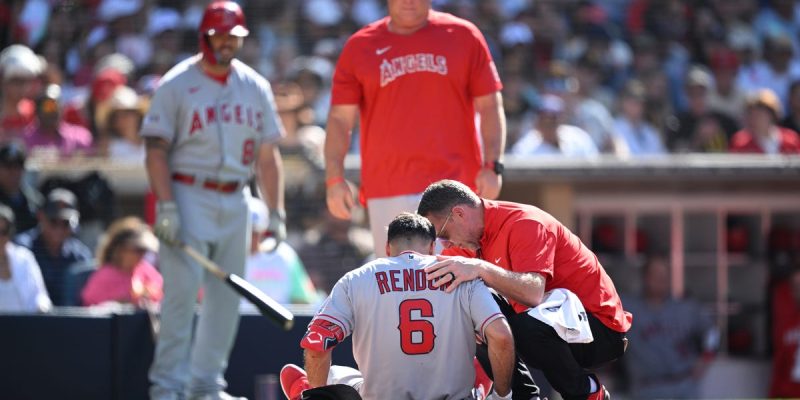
[(495, 166)]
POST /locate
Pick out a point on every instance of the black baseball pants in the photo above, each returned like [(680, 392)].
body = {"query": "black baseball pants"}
[(565, 365)]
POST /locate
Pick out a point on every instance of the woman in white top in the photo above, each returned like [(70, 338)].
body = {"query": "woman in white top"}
[(21, 284)]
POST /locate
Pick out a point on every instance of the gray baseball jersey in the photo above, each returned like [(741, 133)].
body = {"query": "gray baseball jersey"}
[(215, 130), (410, 341)]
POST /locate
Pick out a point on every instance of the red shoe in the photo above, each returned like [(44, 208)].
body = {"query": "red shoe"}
[(293, 381), (483, 384), (599, 394)]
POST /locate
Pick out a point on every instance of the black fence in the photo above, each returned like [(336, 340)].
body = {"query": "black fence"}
[(78, 354)]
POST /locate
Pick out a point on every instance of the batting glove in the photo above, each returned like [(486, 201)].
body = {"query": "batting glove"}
[(494, 396), (168, 222), (277, 225)]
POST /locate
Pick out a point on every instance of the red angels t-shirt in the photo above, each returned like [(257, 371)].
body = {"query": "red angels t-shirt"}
[(415, 93), (523, 238)]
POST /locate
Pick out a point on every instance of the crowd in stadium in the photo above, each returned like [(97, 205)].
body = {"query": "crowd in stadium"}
[(581, 78), (629, 77)]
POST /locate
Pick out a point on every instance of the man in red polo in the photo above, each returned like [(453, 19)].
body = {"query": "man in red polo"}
[(522, 252)]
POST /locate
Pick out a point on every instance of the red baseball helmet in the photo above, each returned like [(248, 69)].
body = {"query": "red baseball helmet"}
[(221, 17)]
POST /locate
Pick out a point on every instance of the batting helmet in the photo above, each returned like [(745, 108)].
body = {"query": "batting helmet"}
[(220, 17)]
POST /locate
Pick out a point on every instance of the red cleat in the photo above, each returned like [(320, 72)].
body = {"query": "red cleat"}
[(600, 394), (293, 381)]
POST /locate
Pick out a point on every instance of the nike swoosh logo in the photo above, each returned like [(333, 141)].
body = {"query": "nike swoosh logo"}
[(382, 50), (497, 260), (194, 89)]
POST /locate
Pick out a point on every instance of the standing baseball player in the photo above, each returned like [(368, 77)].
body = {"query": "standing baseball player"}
[(416, 78), (410, 340), (211, 121)]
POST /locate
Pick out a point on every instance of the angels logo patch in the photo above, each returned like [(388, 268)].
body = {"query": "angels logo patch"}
[(420, 62)]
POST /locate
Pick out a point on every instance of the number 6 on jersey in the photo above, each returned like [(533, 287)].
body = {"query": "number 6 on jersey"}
[(408, 326)]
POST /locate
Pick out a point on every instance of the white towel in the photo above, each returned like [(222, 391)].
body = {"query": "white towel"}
[(561, 309)]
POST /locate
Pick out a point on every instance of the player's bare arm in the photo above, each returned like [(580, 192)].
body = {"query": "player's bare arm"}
[(341, 120), (318, 342), (269, 170), (493, 134), (526, 288), (158, 167), (317, 365), (501, 354)]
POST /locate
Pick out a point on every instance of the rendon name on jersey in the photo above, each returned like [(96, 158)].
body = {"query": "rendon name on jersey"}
[(414, 280)]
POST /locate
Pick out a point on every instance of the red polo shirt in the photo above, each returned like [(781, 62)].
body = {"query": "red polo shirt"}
[(523, 238)]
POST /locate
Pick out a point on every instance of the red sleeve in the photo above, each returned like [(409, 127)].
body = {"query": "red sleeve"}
[(484, 78), (346, 88), (458, 251), (531, 248)]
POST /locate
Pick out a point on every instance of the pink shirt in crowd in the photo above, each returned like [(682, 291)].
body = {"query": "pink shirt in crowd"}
[(110, 283), (71, 139)]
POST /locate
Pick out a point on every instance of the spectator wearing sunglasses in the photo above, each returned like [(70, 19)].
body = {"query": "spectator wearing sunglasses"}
[(56, 249), (51, 134)]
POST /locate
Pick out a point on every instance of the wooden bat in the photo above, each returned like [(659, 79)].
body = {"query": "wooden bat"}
[(268, 307)]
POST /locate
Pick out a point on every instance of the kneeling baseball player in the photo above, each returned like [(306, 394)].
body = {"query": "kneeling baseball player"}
[(411, 340)]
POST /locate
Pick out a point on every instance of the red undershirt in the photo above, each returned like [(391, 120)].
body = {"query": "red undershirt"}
[(221, 78)]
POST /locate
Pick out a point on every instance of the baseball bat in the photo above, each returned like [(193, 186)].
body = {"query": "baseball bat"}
[(268, 307)]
